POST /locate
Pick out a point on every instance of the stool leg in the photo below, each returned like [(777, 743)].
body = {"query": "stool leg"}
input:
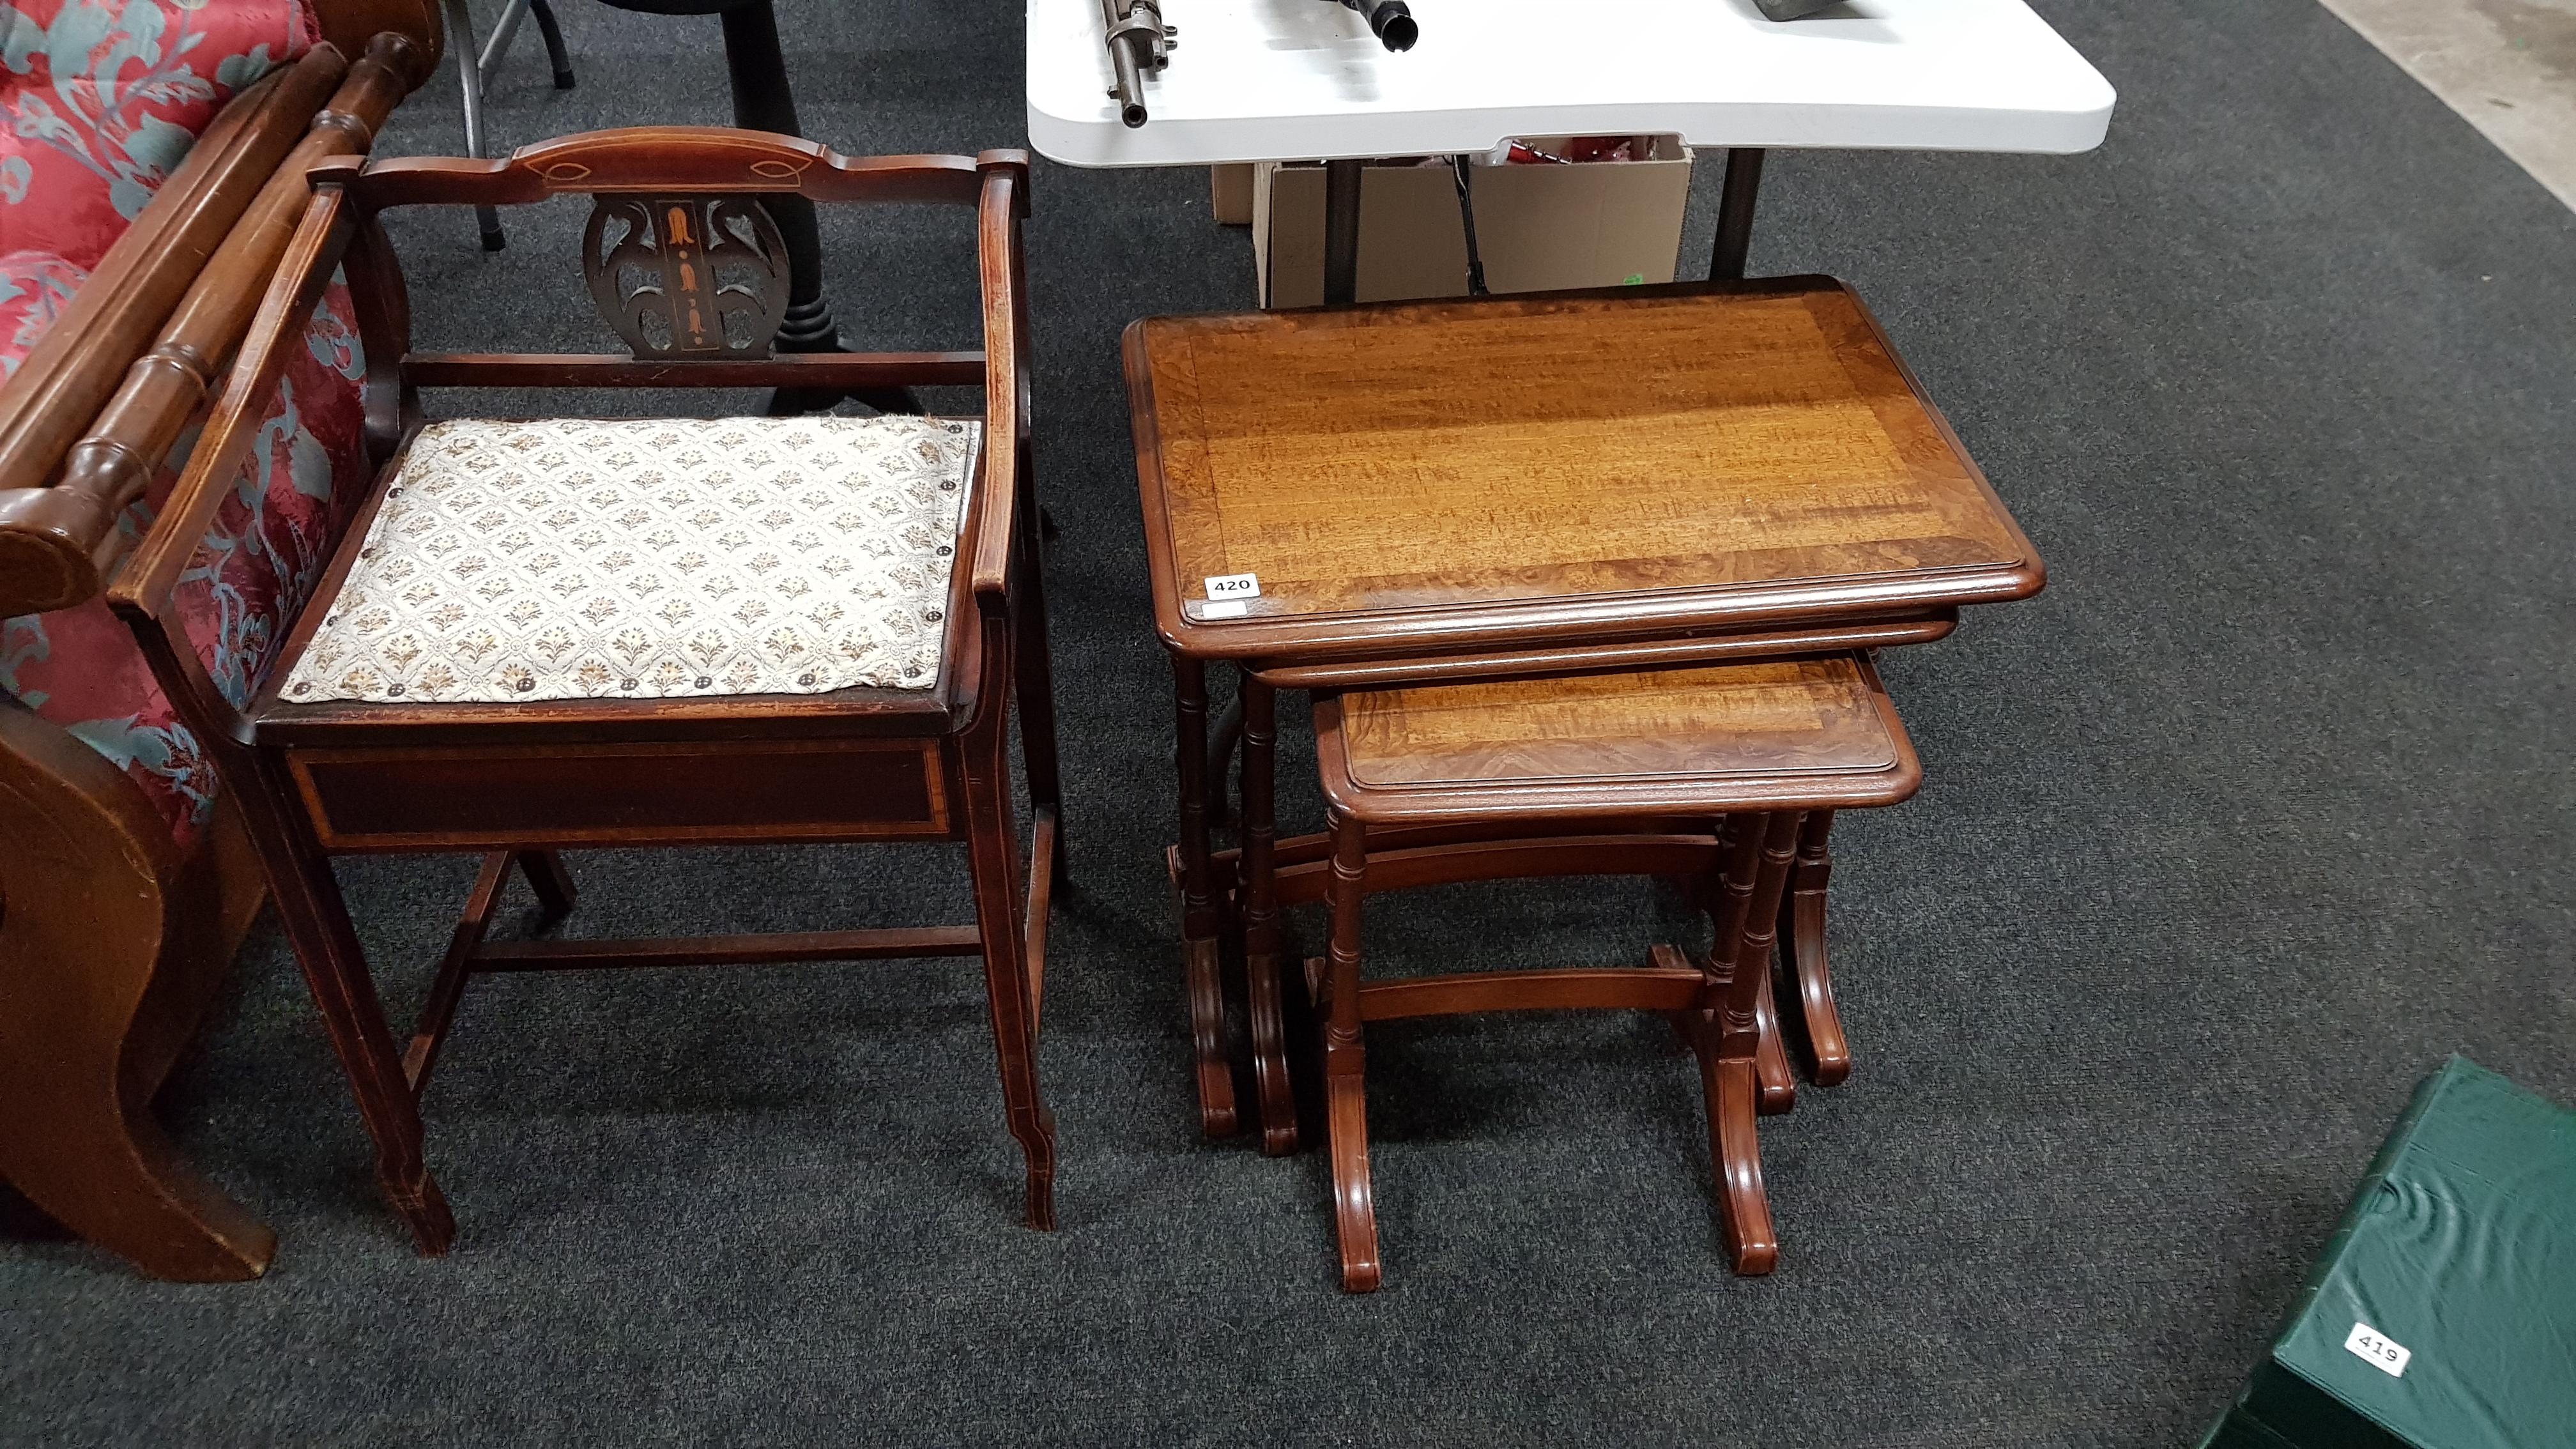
[(1261, 920), (1199, 913), (1035, 687), (994, 856), (1345, 1067), (1815, 1026), (316, 921), (552, 883)]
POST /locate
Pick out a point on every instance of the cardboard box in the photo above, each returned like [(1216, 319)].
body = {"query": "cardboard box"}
[(1538, 228), (1230, 193)]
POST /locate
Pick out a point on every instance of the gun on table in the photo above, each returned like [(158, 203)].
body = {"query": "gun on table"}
[(1140, 45), (1390, 21)]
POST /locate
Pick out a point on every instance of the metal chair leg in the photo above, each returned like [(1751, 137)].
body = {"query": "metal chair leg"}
[(469, 73), (552, 34), (496, 46)]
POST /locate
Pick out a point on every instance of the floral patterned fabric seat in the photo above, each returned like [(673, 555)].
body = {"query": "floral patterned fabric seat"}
[(100, 100), (653, 558)]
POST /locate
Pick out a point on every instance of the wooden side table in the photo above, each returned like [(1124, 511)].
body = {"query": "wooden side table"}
[(1357, 498), (1523, 762)]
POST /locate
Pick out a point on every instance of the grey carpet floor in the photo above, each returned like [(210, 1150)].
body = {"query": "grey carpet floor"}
[(2260, 809)]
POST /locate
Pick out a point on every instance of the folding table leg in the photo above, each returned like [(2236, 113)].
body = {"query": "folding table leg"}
[(1742, 188), (469, 73)]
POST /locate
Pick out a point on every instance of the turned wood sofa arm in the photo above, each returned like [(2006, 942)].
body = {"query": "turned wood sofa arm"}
[(188, 286)]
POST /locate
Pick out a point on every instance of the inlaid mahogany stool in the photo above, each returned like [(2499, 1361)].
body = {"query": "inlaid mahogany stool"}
[(1369, 497), (1605, 774), (534, 635)]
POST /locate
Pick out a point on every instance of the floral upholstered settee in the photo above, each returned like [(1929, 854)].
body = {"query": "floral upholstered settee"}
[(125, 880), (102, 99)]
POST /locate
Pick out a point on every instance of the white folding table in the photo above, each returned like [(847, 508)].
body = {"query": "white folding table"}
[(1298, 80)]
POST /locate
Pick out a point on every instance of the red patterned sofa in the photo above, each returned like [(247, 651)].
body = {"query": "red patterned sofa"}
[(123, 889)]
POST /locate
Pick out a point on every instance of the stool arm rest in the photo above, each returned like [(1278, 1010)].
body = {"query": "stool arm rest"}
[(1006, 375)]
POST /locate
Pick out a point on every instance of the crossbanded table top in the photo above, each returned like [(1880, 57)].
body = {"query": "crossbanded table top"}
[(1703, 444)]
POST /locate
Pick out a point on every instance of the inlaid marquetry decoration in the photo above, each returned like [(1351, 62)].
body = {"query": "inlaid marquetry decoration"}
[(687, 277)]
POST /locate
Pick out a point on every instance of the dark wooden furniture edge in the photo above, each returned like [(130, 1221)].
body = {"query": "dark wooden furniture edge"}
[(1682, 797), (60, 540), (113, 944), (1614, 657), (112, 947)]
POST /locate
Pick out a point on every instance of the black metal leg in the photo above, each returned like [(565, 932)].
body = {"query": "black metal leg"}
[(757, 67), (1342, 232), (1742, 189), (469, 76), (556, 56)]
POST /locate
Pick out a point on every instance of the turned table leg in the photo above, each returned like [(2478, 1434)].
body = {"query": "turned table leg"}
[(1759, 852), (1200, 918), (1345, 1068), (1778, 1085), (1261, 919), (756, 64), (1815, 1026)]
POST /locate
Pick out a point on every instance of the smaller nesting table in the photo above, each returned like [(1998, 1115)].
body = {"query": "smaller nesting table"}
[(1539, 768), (1458, 490)]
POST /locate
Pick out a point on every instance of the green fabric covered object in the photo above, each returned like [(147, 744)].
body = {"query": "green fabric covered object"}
[(2442, 1315)]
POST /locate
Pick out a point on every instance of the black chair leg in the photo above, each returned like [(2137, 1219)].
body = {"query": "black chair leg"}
[(556, 56)]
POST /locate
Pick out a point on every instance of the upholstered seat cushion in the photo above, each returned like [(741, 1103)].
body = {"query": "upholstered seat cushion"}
[(575, 558)]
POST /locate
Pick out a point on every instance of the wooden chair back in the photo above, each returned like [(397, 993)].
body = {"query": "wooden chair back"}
[(666, 186)]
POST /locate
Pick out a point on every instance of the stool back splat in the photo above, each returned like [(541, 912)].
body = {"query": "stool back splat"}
[(533, 635), (709, 274)]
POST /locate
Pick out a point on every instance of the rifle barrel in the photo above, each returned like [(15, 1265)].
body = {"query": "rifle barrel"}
[(1126, 73), (1391, 21)]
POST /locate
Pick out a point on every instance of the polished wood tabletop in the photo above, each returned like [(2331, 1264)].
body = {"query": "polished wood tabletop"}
[(1704, 728), (1463, 474)]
